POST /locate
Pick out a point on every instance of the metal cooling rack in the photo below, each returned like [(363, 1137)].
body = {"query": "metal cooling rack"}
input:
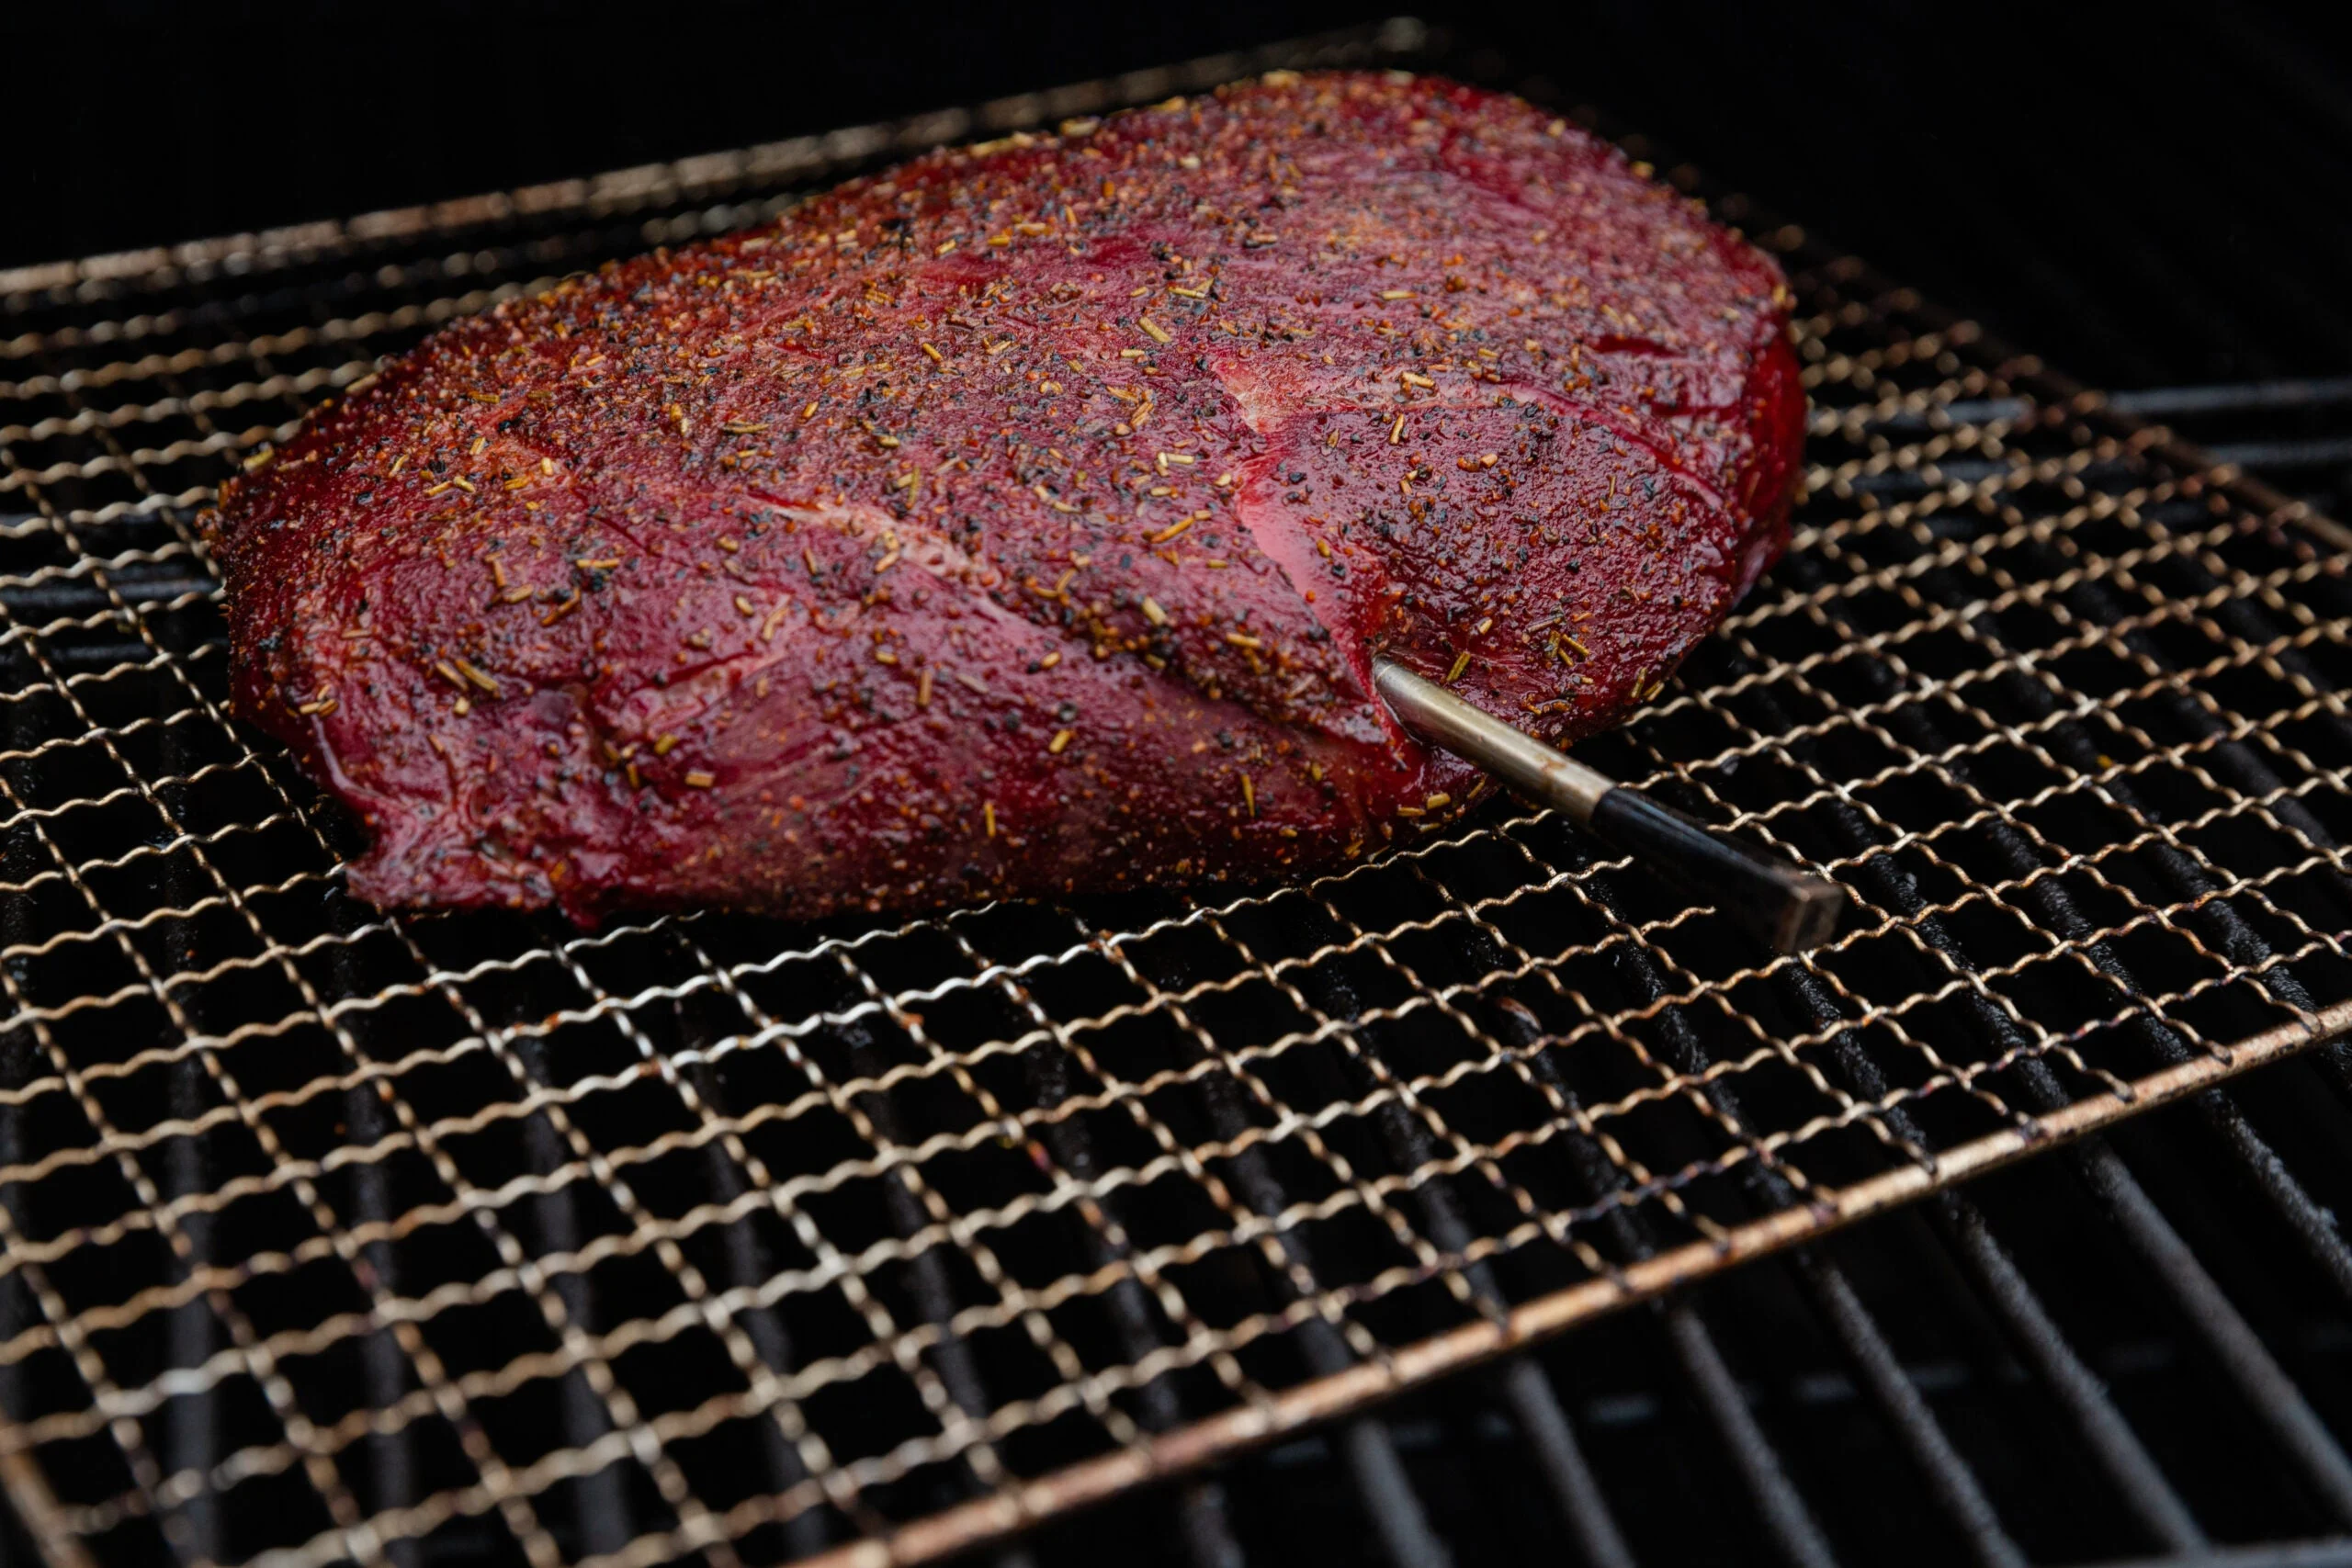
[(333, 1236)]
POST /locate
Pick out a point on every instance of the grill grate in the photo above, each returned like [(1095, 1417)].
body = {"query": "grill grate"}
[(331, 1236)]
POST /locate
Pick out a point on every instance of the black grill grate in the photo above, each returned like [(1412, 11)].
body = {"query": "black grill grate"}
[(331, 1236)]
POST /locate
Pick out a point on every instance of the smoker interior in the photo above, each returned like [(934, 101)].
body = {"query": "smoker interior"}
[(332, 1236), (2033, 1370)]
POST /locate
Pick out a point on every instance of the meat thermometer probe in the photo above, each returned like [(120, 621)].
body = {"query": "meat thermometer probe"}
[(1789, 908)]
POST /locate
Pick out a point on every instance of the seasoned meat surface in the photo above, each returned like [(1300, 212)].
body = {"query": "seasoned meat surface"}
[(1023, 521)]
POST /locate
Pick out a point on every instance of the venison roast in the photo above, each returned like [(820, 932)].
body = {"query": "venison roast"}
[(1023, 521)]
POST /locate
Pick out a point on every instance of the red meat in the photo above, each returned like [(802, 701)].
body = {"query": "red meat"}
[(1023, 521)]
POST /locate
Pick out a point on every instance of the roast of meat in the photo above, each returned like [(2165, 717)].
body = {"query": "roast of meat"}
[(1023, 521)]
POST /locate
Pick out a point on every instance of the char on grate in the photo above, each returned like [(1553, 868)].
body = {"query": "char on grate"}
[(334, 1236)]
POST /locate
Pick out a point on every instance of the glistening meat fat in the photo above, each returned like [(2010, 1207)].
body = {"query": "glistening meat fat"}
[(1023, 520)]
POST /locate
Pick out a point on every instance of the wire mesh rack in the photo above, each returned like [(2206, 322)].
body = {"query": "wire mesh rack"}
[(337, 1235)]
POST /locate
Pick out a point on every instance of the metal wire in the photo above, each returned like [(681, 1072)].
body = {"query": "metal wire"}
[(331, 1235)]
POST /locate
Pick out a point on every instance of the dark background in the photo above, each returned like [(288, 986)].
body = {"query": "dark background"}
[(2153, 195)]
